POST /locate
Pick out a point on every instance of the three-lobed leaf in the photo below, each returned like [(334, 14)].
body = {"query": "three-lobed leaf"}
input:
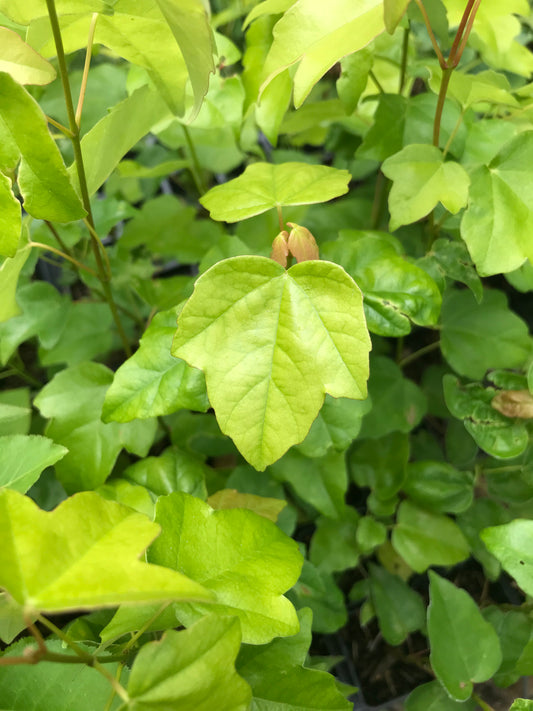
[(193, 670), (23, 458), (82, 555), (241, 557), (421, 178), (317, 36), (263, 186), (498, 223), (272, 343)]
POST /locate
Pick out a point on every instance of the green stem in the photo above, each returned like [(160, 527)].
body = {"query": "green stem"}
[(195, 168), (48, 248), (419, 353), (59, 126), (479, 701), (445, 81), (146, 625), (376, 82), (78, 158), (280, 218), (86, 67), (380, 191), (86, 657), (453, 134), (403, 65), (58, 238), (24, 375)]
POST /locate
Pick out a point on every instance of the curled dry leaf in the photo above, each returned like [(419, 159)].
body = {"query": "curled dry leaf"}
[(514, 403)]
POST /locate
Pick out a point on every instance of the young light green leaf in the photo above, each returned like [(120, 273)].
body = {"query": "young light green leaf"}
[(54, 686), (24, 11), (42, 177), (73, 401), (189, 23), (399, 609), (511, 544), (273, 336), (9, 275), (84, 555), (464, 647), (23, 458), (263, 186), (12, 619), (243, 558), (468, 89), (421, 179), (394, 10), (152, 382), (279, 679), (15, 411), (395, 291), (261, 505), (21, 61), (193, 670), (498, 223), (522, 705), (476, 337), (114, 135), (423, 538), (10, 217), (433, 697), (317, 36)]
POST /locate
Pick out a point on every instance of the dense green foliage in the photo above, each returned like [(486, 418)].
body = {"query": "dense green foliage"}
[(264, 348)]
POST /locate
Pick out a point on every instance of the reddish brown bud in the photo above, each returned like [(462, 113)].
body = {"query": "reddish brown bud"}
[(280, 248), (302, 244)]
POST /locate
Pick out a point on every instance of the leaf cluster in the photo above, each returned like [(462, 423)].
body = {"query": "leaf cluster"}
[(265, 354)]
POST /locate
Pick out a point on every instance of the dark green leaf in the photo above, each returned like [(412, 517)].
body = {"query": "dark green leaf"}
[(439, 487), (476, 337), (53, 686), (395, 291), (464, 647), (423, 538), (399, 609), (402, 401), (497, 434)]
